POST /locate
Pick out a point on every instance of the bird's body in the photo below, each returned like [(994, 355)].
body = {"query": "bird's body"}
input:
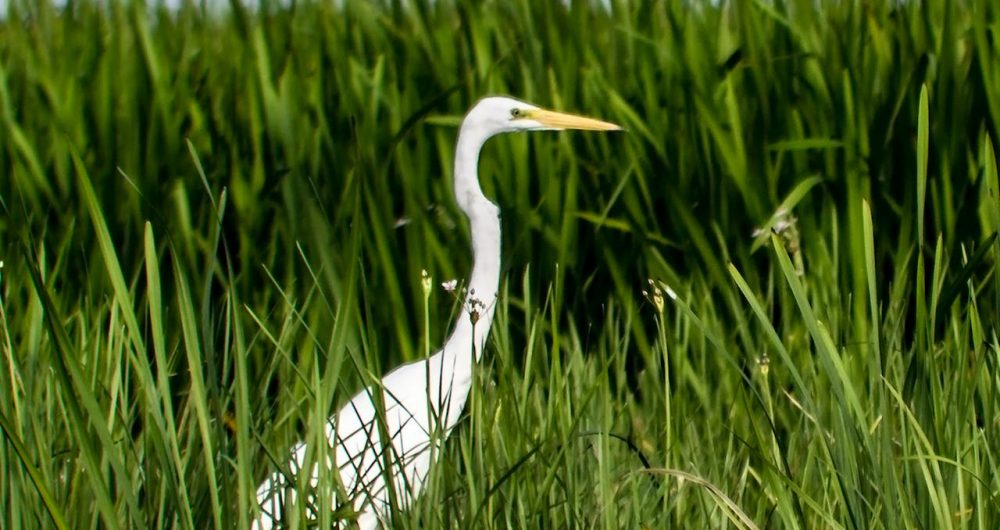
[(423, 400)]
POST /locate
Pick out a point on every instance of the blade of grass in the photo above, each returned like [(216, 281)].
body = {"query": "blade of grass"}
[(51, 505), (166, 395), (83, 421), (198, 398), (829, 357), (922, 148)]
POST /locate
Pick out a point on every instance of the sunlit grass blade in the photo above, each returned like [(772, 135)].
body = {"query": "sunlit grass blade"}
[(733, 512)]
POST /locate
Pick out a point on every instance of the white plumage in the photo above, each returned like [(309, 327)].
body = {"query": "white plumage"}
[(423, 400)]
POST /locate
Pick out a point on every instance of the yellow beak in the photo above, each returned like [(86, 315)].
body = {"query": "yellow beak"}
[(559, 120)]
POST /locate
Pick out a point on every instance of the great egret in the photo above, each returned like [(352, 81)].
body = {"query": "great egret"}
[(422, 400)]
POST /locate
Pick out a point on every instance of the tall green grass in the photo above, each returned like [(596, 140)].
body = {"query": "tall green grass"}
[(215, 221)]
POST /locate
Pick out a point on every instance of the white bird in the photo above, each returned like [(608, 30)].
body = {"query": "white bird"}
[(422, 400)]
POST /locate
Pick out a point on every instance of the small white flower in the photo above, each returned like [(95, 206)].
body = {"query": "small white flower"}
[(784, 224), (425, 280), (655, 295), (781, 222), (764, 364), (449, 285)]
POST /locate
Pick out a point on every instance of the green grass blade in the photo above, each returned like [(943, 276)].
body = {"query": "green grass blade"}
[(198, 397), (85, 416), (829, 357), (166, 395), (51, 505), (922, 149)]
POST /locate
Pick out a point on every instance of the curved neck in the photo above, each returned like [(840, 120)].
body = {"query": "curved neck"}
[(473, 325), (451, 368)]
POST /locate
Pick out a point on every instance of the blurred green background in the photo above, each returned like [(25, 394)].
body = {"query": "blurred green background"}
[(214, 222)]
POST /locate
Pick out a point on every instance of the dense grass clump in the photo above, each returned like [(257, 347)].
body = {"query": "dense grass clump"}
[(773, 303)]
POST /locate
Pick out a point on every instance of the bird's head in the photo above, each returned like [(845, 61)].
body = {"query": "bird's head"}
[(496, 114)]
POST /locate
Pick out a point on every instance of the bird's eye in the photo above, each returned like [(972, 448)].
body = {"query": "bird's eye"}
[(515, 113)]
